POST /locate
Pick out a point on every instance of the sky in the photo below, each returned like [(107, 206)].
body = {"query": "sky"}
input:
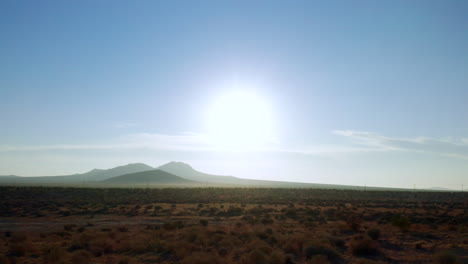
[(358, 92)]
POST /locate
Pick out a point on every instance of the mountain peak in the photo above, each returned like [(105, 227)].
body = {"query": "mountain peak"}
[(177, 164), (134, 165), (98, 174)]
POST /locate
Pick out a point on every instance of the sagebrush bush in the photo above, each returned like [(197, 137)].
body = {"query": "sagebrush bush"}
[(354, 222), (125, 260), (101, 245), (20, 246), (401, 222), (363, 246), (17, 249), (312, 249), (122, 229), (256, 256), (69, 227), (446, 258), (374, 233), (55, 254), (81, 257), (277, 257), (319, 259)]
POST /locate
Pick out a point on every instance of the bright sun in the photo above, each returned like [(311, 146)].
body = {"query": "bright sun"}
[(240, 120)]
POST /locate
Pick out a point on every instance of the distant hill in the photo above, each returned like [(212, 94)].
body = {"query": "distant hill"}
[(148, 177), (91, 176), (170, 173), (439, 189), (99, 175), (186, 171)]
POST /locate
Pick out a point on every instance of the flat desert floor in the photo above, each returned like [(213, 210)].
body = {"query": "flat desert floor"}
[(231, 225)]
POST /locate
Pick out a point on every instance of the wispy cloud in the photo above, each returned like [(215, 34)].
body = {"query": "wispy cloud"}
[(361, 142), (179, 142), (188, 141), (450, 147)]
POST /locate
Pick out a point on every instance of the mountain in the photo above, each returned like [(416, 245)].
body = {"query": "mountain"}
[(170, 173), (186, 171), (91, 176), (439, 189), (99, 175), (148, 177)]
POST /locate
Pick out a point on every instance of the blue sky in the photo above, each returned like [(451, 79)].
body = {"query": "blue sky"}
[(362, 92)]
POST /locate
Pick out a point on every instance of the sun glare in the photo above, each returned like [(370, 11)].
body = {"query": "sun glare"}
[(240, 120)]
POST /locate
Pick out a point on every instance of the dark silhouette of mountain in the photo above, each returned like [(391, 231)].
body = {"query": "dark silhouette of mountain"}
[(99, 175), (148, 177), (91, 176), (439, 189), (186, 171), (140, 174)]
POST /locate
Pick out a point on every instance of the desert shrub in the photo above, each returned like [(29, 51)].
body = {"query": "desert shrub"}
[(249, 219), (122, 229), (81, 257), (291, 212), (234, 211), (65, 213), (292, 246), (17, 249), (125, 260), (277, 257), (354, 222), (402, 222), (337, 242), (267, 221), (55, 254), (81, 242), (69, 227), (20, 246), (100, 245), (316, 248), (374, 233), (446, 258), (260, 245), (223, 251), (173, 225), (203, 222), (181, 249), (363, 246), (319, 259), (256, 256)]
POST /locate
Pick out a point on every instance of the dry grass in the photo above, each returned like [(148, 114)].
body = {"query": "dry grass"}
[(278, 230)]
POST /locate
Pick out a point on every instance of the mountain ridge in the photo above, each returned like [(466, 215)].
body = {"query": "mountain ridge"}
[(191, 177), (147, 177), (94, 175)]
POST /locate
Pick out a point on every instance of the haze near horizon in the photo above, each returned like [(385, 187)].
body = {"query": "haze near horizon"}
[(362, 93)]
